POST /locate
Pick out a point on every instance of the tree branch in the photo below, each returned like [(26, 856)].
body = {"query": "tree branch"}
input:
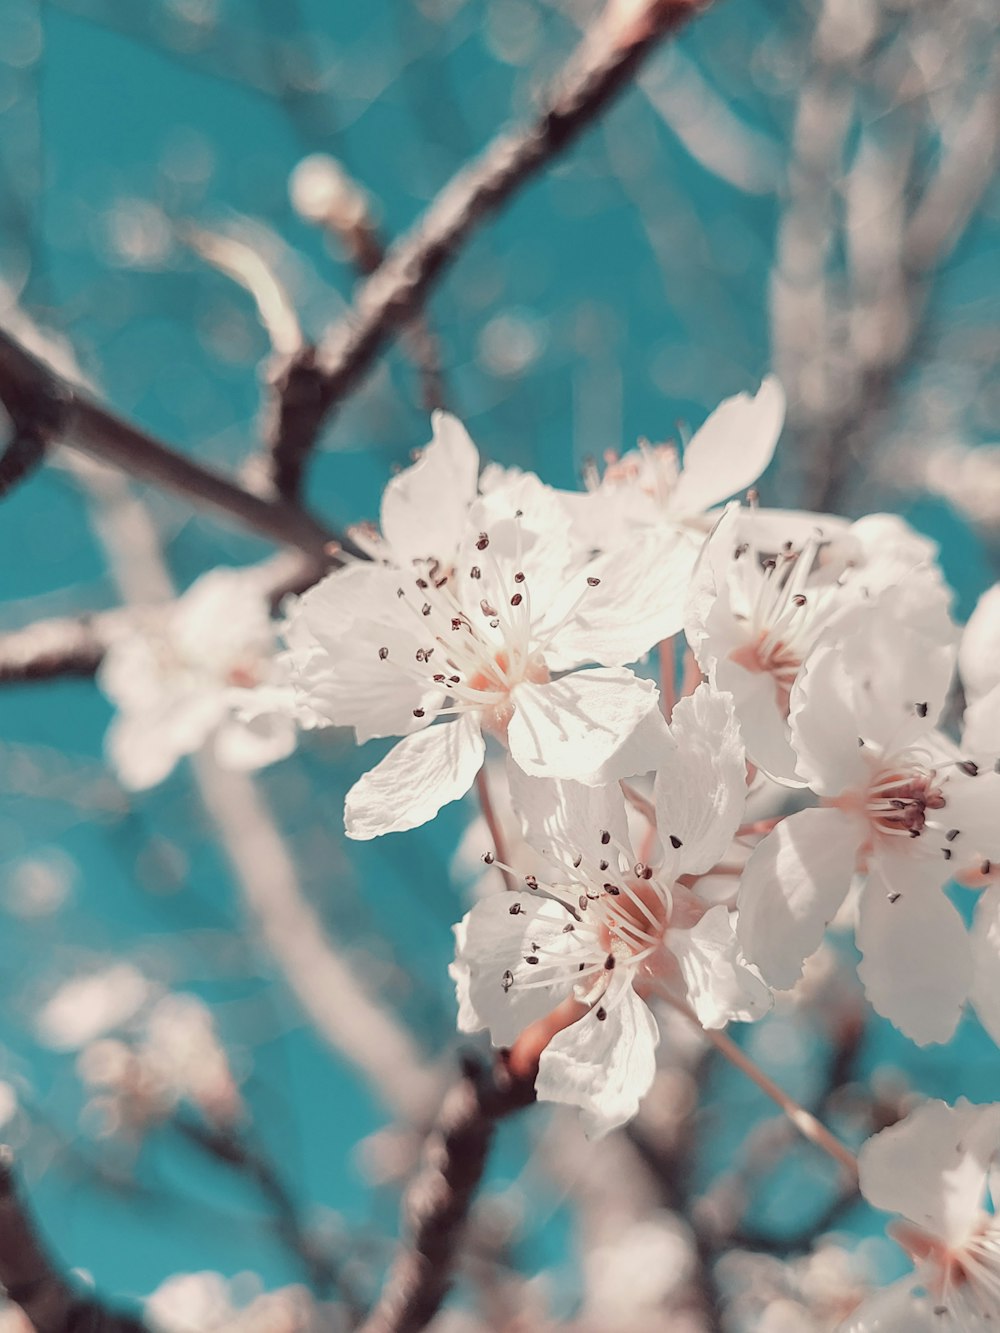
[(601, 68), (32, 391), (437, 1202), (33, 1281)]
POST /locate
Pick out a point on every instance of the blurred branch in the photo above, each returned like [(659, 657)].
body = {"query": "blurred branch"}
[(325, 194), (227, 1146), (32, 1279), (32, 391), (437, 1202), (603, 66), (59, 647)]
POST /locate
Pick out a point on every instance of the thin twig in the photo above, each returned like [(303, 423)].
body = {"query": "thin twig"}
[(437, 1202), (39, 394), (33, 1281), (602, 67)]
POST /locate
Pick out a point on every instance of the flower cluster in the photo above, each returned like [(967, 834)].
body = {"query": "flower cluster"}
[(806, 664)]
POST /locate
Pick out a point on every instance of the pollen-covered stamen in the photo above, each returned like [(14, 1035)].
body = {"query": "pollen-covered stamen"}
[(898, 802)]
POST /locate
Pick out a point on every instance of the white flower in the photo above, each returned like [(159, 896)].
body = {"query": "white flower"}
[(898, 799), (607, 932), (651, 487), (178, 681), (651, 493), (471, 636), (936, 1169), (760, 602), (979, 654)]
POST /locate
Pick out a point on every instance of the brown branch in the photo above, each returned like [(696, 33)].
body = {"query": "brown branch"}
[(32, 391), (437, 1202), (32, 1279), (602, 67), (66, 646)]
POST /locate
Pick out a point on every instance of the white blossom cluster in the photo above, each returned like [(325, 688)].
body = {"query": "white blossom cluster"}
[(798, 653)]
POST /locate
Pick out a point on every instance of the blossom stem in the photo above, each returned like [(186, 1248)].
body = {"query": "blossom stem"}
[(493, 824), (804, 1121)]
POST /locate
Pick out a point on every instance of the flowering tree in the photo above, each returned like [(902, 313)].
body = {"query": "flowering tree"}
[(701, 741)]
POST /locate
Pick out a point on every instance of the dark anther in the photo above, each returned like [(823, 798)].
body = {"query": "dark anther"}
[(609, 963), (986, 867), (914, 833), (921, 710), (519, 577), (675, 842), (605, 837), (507, 980), (383, 654), (425, 610), (582, 900), (798, 600), (515, 909), (613, 889), (952, 834), (602, 865), (482, 542), (440, 678), (531, 881), (970, 768), (568, 928), (647, 872), (894, 897), (475, 572), (418, 712), (516, 600), (602, 1014), (489, 858), (592, 582), (577, 860), (422, 583), (456, 622), (947, 853), (531, 960), (741, 550)]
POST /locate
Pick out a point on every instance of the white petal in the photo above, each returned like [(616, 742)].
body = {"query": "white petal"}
[(497, 989), (566, 820), (144, 746), (792, 886), (974, 807), (703, 612), (979, 655), (592, 726), (425, 507), (762, 722), (638, 602), (986, 961), (415, 779), (932, 1167), (981, 725), (917, 964), (824, 725), (603, 1065), (700, 791), (720, 984), (731, 450)]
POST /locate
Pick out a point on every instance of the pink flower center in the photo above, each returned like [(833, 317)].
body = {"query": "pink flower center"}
[(774, 658)]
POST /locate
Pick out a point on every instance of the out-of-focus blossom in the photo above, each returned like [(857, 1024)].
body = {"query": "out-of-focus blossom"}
[(476, 601), (608, 932), (86, 1007), (937, 1169), (207, 1303), (898, 797), (178, 680)]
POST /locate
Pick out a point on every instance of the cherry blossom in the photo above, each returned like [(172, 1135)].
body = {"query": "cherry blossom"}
[(481, 636), (898, 800), (607, 933), (760, 603), (178, 679), (936, 1169)]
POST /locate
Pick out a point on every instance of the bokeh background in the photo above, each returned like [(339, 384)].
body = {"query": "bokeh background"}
[(806, 187)]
